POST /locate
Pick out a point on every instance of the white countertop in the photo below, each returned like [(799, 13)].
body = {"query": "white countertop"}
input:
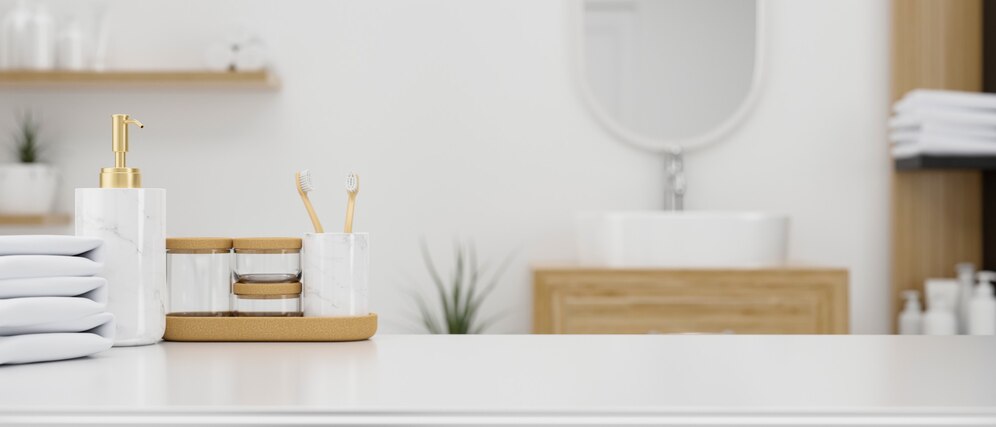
[(520, 379)]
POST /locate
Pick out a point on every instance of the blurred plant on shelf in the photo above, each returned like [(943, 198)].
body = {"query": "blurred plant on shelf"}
[(462, 295), (26, 144), (28, 186)]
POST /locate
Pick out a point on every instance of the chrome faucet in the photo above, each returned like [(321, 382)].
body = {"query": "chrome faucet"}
[(676, 185)]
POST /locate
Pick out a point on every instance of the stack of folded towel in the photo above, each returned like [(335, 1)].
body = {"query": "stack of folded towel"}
[(51, 305), (944, 123)]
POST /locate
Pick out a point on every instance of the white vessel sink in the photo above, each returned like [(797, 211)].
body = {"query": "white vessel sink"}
[(644, 239)]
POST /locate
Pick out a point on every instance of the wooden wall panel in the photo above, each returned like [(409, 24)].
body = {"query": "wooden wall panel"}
[(936, 215)]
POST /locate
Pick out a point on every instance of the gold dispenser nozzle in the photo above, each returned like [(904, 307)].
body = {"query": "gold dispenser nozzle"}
[(121, 176)]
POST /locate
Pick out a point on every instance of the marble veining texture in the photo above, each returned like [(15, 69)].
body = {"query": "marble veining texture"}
[(131, 222), (335, 268)]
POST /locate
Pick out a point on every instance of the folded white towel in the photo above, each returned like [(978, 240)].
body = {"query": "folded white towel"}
[(50, 245), (67, 325), (56, 346), (19, 312), (943, 147), (921, 98), (49, 286), (50, 309), (28, 266), (947, 116), (978, 133)]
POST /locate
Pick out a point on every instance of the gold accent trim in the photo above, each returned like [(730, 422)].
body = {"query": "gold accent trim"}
[(268, 251), (176, 244), (268, 297), (290, 289), (121, 176), (266, 243)]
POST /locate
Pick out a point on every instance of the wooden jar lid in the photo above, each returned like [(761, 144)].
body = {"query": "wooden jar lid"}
[(262, 289), (198, 243), (267, 243)]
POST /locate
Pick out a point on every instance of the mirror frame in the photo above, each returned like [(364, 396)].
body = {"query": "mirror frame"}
[(658, 145)]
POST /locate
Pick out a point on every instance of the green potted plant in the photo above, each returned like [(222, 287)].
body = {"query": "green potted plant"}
[(459, 298), (27, 187)]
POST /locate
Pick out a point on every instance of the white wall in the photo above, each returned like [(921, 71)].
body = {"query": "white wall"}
[(463, 120), (815, 146)]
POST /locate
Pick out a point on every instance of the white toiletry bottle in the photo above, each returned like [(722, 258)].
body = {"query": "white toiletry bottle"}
[(14, 37), (966, 280), (41, 40), (982, 308), (940, 319), (130, 220), (911, 319)]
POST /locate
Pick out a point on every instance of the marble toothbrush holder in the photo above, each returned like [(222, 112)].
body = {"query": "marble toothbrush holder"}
[(335, 274)]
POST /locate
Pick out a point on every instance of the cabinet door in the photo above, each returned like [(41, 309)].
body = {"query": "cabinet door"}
[(690, 301)]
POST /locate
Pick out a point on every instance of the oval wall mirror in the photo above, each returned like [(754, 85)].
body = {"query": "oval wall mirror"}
[(669, 75)]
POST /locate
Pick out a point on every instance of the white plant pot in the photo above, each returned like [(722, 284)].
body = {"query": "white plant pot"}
[(27, 188)]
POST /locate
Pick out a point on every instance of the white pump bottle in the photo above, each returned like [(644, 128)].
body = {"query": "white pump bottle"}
[(130, 220), (911, 319)]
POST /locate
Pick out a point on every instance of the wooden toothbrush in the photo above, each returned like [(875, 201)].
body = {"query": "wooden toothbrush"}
[(304, 186), (352, 188)]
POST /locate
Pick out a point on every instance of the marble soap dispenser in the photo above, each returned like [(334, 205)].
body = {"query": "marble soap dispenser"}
[(130, 220)]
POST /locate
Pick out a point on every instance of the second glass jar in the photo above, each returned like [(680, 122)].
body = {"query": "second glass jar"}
[(267, 259)]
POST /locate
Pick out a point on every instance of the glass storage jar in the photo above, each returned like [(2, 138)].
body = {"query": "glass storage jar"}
[(199, 276), (267, 299), (267, 259)]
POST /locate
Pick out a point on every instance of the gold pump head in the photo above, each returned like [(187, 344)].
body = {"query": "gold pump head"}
[(121, 176)]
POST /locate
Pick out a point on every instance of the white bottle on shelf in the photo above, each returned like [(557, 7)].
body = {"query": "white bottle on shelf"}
[(940, 319), (911, 319), (13, 37), (966, 280), (982, 307), (69, 50), (40, 40)]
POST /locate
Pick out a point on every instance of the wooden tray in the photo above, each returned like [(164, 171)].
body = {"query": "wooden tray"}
[(226, 328)]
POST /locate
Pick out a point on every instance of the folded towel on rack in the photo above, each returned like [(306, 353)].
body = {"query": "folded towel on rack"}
[(29, 266), (947, 146), (49, 286), (930, 130), (932, 98), (50, 245), (943, 128), (44, 347), (949, 116)]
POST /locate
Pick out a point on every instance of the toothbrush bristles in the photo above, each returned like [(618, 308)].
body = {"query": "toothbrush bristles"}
[(352, 183), (305, 181)]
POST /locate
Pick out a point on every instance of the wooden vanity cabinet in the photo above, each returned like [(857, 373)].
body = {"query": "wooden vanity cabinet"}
[(641, 301)]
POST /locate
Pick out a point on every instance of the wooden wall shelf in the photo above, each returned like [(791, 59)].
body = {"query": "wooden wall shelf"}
[(35, 220), (946, 162), (171, 79)]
